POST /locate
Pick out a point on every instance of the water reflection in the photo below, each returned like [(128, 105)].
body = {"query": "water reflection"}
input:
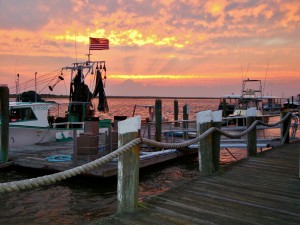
[(81, 200)]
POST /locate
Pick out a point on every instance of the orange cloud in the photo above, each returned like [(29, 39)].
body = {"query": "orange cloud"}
[(291, 12), (171, 39)]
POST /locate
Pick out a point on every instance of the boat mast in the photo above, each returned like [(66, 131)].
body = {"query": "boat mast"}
[(35, 96), (18, 87)]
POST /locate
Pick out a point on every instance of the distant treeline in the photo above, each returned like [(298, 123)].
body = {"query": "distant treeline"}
[(44, 96), (141, 97)]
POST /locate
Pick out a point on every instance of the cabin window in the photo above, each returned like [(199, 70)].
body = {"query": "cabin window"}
[(21, 114)]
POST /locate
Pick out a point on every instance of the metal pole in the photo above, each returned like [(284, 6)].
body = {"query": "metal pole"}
[(35, 86)]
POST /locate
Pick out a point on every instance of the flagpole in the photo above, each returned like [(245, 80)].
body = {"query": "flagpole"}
[(89, 49)]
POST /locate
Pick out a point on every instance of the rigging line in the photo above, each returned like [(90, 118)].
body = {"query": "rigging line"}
[(66, 87), (57, 71), (31, 84), (50, 80), (33, 80), (247, 68), (44, 78)]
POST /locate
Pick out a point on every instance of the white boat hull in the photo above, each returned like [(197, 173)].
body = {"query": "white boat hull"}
[(21, 136)]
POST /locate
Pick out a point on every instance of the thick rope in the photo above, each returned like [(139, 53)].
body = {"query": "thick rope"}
[(286, 133), (50, 179)]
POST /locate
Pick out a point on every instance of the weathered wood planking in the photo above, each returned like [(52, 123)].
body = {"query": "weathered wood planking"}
[(33, 156), (259, 190)]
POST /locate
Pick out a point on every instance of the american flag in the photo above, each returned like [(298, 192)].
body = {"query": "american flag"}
[(99, 43)]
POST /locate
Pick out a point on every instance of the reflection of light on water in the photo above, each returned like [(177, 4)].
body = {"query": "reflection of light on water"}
[(125, 106), (62, 203), (166, 177)]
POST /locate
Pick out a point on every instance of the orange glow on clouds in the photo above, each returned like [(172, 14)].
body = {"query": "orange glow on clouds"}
[(167, 77), (163, 42)]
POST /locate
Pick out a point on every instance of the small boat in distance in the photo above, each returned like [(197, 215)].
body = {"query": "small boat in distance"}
[(228, 104), (251, 96), (293, 102), (272, 104)]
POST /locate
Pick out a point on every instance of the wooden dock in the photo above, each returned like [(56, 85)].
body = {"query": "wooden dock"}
[(258, 190), (35, 157)]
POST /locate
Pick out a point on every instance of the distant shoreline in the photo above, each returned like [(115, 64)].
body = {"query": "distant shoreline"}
[(133, 97)]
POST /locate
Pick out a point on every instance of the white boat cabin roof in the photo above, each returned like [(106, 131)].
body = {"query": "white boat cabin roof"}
[(29, 104)]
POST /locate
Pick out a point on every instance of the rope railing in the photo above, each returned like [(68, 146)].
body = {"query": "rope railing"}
[(51, 179)]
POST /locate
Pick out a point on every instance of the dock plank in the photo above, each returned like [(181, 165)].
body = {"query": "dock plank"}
[(258, 190), (34, 157)]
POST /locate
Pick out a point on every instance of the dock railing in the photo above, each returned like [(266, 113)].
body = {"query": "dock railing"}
[(129, 141)]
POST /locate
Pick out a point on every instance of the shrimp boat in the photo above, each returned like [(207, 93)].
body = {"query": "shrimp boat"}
[(32, 122)]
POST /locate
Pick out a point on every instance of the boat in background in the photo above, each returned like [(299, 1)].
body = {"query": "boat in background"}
[(251, 96), (293, 102), (228, 103), (30, 122), (272, 105)]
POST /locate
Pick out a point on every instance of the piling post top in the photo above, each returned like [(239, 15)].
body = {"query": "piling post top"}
[(251, 112), (132, 124), (203, 117), (187, 107), (216, 116)]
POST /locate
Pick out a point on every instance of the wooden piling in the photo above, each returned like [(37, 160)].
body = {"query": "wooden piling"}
[(205, 145), (74, 136), (185, 116), (284, 127), (158, 119), (216, 139), (4, 112), (224, 108), (251, 136), (176, 108), (128, 166)]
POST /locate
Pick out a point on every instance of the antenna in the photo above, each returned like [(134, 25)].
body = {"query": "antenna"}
[(35, 87), (247, 69), (75, 44), (266, 76), (18, 87)]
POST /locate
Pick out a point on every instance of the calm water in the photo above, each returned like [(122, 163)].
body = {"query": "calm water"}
[(84, 200)]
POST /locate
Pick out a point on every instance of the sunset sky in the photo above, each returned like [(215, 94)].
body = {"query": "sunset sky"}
[(183, 48)]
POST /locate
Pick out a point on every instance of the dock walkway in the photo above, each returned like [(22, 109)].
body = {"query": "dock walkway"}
[(258, 190)]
